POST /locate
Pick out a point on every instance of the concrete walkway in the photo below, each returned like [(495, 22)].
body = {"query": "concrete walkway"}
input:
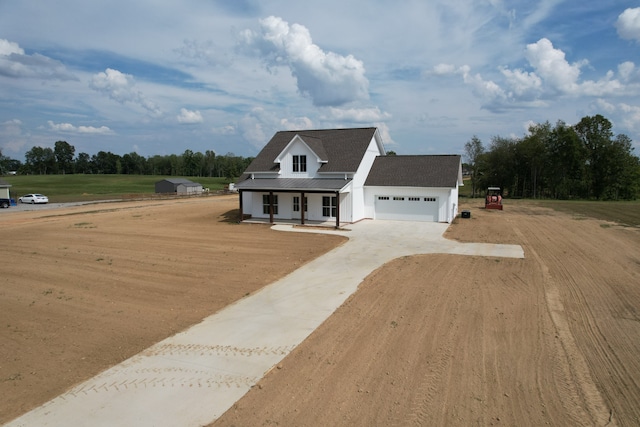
[(192, 378)]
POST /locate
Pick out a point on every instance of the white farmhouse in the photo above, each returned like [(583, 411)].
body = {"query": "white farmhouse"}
[(344, 175)]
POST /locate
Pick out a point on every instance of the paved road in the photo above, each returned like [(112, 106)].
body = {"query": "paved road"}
[(192, 378), (26, 207)]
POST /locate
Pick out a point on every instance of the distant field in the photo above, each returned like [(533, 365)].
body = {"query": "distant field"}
[(76, 188), (623, 213)]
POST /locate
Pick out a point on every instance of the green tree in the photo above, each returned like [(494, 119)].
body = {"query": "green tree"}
[(40, 160), (159, 165), (105, 163), (596, 135), (531, 158), (474, 151), (3, 163), (500, 165), (623, 178), (64, 153), (198, 161), (189, 164), (209, 162), (566, 159), (133, 163), (83, 163)]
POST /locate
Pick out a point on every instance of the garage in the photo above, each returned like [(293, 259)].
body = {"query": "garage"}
[(406, 208)]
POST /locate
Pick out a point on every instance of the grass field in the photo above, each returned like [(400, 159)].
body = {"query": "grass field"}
[(77, 188), (624, 213)]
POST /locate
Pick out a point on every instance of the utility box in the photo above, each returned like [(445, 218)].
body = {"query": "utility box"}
[(466, 214)]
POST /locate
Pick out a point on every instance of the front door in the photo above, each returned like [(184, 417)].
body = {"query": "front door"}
[(299, 207)]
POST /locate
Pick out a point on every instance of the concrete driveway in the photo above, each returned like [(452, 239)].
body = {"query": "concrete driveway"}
[(192, 378)]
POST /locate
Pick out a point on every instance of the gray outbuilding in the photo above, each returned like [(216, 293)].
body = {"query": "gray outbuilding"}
[(181, 186)]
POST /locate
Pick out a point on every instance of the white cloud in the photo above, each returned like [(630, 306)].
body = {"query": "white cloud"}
[(257, 126), (522, 83), (628, 72), (552, 76), (602, 105), (485, 89), (7, 48), (628, 24), (69, 128), (362, 115), (189, 117), (12, 136), (297, 123), (206, 51), (122, 88), (551, 65), (383, 130), (631, 116), (14, 63), (328, 78), (444, 69)]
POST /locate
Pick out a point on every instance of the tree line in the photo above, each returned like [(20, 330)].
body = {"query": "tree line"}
[(63, 160), (582, 161)]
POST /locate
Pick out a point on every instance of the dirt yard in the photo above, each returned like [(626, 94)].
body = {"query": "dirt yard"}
[(426, 340)]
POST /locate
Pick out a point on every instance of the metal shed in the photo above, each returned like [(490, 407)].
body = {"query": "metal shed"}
[(178, 186)]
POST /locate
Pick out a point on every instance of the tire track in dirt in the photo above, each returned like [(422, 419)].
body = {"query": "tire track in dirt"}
[(594, 299), (172, 376), (214, 350), (427, 406), (572, 369)]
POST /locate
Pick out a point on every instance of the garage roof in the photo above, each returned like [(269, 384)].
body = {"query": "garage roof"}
[(415, 171)]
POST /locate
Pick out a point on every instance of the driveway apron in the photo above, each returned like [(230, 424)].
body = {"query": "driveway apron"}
[(192, 378)]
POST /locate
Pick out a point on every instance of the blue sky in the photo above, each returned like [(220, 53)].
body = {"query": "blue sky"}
[(161, 77)]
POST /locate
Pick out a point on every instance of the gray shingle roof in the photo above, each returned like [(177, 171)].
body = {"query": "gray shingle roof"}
[(293, 184), (415, 171), (343, 148)]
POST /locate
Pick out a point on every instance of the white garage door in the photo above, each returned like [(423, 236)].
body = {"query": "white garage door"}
[(407, 208)]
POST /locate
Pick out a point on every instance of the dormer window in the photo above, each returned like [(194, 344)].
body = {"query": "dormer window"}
[(299, 163)]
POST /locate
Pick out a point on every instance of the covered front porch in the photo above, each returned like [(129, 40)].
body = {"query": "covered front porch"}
[(306, 202)]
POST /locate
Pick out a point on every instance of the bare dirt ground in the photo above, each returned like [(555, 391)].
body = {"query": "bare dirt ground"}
[(426, 340), (84, 288), (451, 340)]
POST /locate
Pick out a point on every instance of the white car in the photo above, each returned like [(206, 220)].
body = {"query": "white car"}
[(34, 198)]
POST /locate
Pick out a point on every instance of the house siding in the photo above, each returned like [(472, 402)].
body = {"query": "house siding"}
[(358, 210), (298, 148)]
